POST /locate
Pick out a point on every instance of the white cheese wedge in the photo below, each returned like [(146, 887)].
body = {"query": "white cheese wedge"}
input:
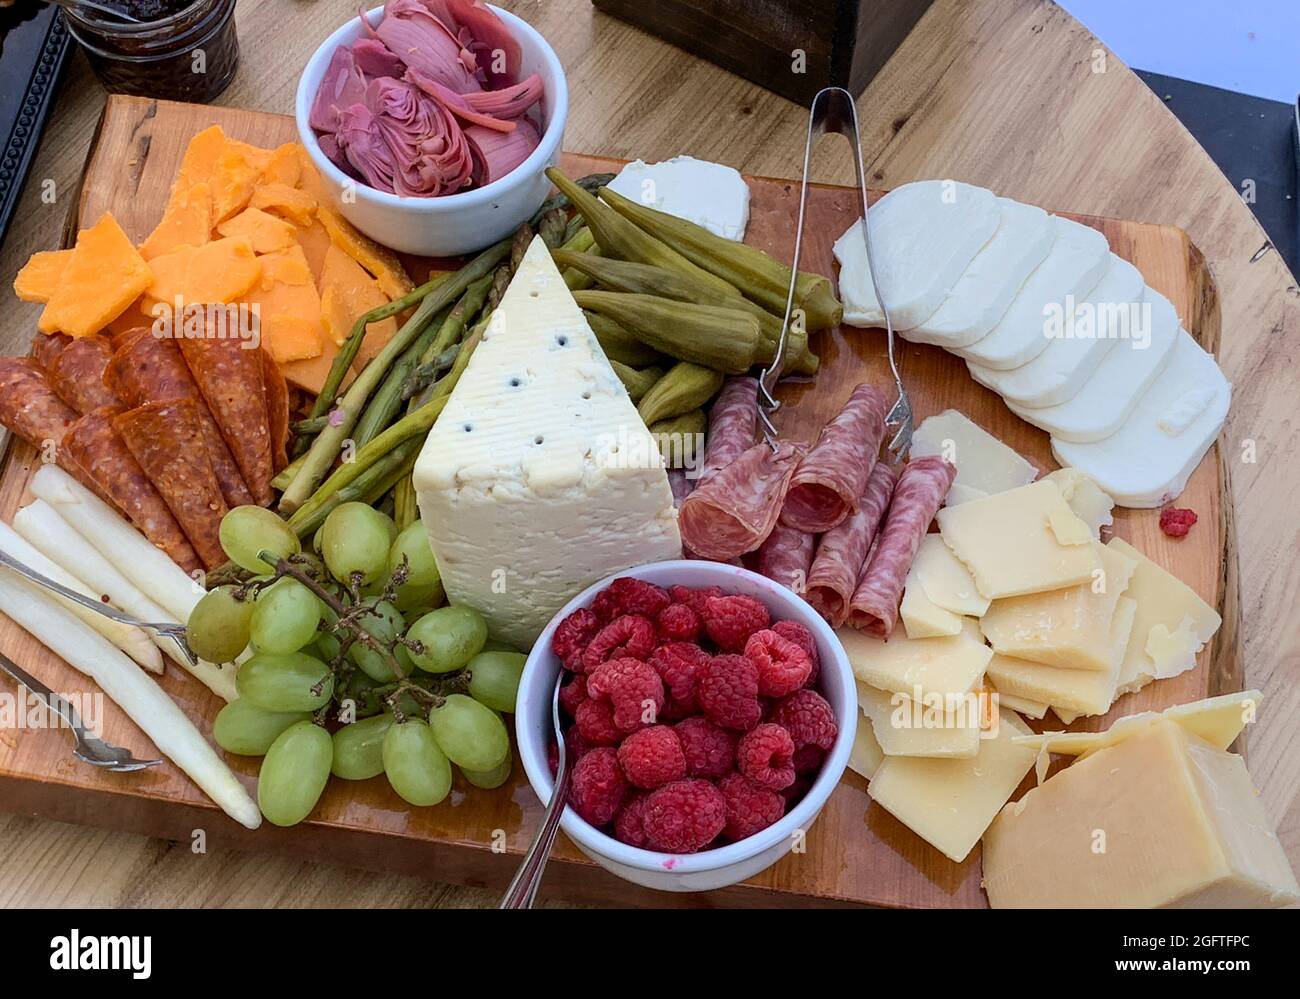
[(986, 288), (1108, 315), (709, 194), (1072, 269), (1085, 498), (1121, 377), (904, 727), (946, 581), (918, 667), (924, 236), (984, 464), (539, 478), (1148, 460), (866, 754)]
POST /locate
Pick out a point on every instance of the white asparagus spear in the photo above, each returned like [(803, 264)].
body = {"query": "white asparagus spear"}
[(153, 573), (131, 689), (134, 642), (41, 525)]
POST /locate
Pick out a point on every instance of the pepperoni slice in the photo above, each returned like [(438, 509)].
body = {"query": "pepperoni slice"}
[(77, 374), (28, 405), (277, 410), (732, 424), (46, 347), (786, 556), (735, 510)]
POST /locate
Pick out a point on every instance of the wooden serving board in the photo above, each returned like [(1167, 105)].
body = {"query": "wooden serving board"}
[(856, 853)]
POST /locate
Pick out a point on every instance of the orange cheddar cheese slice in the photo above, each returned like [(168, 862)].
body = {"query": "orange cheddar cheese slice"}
[(39, 278), (186, 221), (216, 272), (288, 306), (264, 232), (104, 275)]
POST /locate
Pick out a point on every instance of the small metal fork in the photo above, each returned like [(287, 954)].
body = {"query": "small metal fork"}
[(833, 111)]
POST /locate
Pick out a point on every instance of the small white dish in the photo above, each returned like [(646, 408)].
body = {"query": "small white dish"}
[(727, 865), (455, 223)]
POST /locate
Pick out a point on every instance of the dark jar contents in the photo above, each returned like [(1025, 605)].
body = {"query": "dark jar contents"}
[(184, 50)]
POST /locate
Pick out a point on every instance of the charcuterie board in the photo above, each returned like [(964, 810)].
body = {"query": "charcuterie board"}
[(856, 852)]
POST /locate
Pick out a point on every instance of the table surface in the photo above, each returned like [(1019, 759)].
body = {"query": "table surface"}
[(1014, 95)]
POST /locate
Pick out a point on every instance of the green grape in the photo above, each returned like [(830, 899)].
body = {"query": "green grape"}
[(472, 736), (314, 566), (385, 625), (451, 636), (496, 645), (414, 763), (285, 618), (247, 530), (292, 681), (356, 539), (423, 586), (391, 524), (294, 773), (327, 643), (494, 679), (241, 727), (489, 779), (218, 627), (358, 748), (317, 540)]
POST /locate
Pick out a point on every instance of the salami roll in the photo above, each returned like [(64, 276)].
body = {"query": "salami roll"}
[(46, 347), (28, 404), (77, 374), (735, 510), (95, 446), (234, 387), (277, 410), (829, 480), (732, 423), (843, 549), (786, 556), (166, 439), (145, 368), (917, 497)]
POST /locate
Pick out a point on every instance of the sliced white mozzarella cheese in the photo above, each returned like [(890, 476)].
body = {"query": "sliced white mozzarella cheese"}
[(986, 289), (1111, 312), (1149, 459), (924, 236), (1075, 264), (1124, 373), (708, 194)]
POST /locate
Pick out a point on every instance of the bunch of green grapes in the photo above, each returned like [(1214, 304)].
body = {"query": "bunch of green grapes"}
[(351, 638)]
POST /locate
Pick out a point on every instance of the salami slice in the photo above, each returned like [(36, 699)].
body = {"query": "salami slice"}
[(145, 368), (732, 423), (77, 374), (46, 347), (95, 446), (735, 510), (28, 404), (830, 478), (786, 556), (277, 410), (234, 387), (917, 497), (167, 441), (843, 549)]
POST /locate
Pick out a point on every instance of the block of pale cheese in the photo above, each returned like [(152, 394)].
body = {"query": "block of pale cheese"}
[(1085, 498), (866, 754), (921, 616), (539, 477), (949, 803), (1011, 541), (711, 195), (946, 665), (984, 463), (949, 727), (1161, 819), (945, 580)]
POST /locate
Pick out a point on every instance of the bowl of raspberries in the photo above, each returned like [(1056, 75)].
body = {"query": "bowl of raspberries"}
[(708, 714)]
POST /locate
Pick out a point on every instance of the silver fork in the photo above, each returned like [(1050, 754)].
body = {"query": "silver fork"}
[(833, 111), (87, 748)]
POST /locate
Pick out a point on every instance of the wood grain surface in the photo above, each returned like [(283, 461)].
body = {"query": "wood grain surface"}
[(1013, 95)]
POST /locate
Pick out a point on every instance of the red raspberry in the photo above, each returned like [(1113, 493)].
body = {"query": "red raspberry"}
[(694, 599), (766, 756), (782, 666), (652, 757), (808, 760), (632, 688), (598, 786), (683, 816), (710, 751), (627, 827), (732, 619), (803, 638), (605, 606), (629, 635), (575, 747), (572, 636), (795, 792), (636, 596), (680, 623), (809, 719), (750, 808), (573, 693), (594, 720), (727, 688), (678, 664), (1177, 521)]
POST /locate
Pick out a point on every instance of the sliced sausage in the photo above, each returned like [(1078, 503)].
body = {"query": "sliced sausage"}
[(77, 373), (735, 509)]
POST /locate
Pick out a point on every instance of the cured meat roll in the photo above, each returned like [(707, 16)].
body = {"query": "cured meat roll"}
[(920, 492), (145, 368), (28, 405), (95, 446), (46, 347), (77, 373), (732, 423), (786, 556), (830, 478), (735, 510), (843, 549), (166, 439), (277, 410)]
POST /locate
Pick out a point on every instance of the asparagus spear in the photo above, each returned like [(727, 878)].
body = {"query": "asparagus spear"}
[(387, 400)]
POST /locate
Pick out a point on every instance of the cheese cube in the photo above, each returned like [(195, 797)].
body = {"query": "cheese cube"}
[(1161, 819), (539, 477), (916, 667), (946, 581), (866, 754), (949, 803), (983, 462), (1007, 542), (935, 727)]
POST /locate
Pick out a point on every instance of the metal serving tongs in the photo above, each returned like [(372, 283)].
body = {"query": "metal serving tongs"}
[(833, 110)]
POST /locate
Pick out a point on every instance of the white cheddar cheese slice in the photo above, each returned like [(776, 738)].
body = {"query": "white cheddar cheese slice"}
[(1007, 543), (983, 462), (904, 727), (1022, 705), (945, 580), (924, 235), (709, 194), (916, 667), (922, 617), (866, 754), (990, 282), (963, 494), (1148, 460), (540, 478), (1085, 498), (950, 803), (1077, 260)]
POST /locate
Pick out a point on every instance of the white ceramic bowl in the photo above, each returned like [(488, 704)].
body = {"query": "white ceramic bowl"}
[(456, 223), (735, 862)]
